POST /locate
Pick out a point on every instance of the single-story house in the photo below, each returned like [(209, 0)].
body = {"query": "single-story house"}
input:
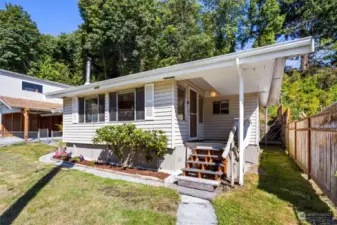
[(194, 102)]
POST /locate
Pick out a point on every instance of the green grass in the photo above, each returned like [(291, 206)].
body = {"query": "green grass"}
[(42, 194), (276, 196)]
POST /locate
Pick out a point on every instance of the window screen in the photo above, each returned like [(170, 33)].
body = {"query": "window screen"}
[(91, 110), (201, 109), (221, 107), (81, 110)]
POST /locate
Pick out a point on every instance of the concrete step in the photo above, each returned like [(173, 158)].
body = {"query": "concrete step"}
[(207, 156), (205, 148), (198, 183), (205, 163), (202, 171)]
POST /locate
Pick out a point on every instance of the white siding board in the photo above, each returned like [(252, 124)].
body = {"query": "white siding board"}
[(85, 132), (219, 126)]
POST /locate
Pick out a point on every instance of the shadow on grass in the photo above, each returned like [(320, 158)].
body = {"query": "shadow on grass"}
[(282, 178), (15, 209)]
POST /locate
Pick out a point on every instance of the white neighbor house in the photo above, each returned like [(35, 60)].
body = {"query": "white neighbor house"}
[(19, 92), (191, 102)]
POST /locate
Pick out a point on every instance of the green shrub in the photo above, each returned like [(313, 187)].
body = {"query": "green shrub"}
[(128, 137), (77, 159)]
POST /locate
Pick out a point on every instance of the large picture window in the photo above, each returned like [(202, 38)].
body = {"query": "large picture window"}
[(221, 107), (91, 109), (181, 103)]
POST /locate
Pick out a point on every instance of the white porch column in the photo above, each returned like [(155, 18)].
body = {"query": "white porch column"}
[(265, 125), (241, 122)]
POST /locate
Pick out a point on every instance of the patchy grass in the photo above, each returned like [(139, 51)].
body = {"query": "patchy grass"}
[(278, 195), (35, 193)]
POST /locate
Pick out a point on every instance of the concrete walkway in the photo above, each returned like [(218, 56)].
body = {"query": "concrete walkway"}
[(191, 210)]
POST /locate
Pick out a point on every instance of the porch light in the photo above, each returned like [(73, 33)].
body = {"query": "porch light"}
[(213, 94)]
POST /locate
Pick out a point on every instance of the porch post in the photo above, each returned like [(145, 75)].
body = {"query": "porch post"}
[(241, 121), (266, 125), (25, 125)]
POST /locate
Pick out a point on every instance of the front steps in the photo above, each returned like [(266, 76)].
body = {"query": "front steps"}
[(204, 169)]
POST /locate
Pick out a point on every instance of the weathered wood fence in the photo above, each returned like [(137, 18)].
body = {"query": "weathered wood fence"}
[(312, 143)]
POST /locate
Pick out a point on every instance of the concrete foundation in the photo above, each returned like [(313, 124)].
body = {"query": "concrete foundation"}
[(174, 160)]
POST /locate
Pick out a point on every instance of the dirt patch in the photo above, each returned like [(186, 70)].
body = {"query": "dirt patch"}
[(142, 172)]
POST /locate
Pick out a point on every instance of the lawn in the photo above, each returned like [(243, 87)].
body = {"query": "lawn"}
[(34, 193), (278, 195)]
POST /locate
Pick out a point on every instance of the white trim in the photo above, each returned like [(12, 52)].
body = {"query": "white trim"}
[(3, 102), (180, 71), (107, 108), (173, 114), (241, 122), (257, 120), (189, 114)]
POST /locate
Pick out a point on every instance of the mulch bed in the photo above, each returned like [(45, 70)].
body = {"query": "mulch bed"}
[(144, 172)]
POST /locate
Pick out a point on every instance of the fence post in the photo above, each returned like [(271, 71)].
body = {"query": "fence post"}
[(38, 134), (52, 134), (47, 133), (309, 147)]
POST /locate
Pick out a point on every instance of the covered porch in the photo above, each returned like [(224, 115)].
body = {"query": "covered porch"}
[(26, 118), (232, 87)]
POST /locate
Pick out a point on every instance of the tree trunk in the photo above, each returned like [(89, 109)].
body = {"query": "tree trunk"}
[(304, 62)]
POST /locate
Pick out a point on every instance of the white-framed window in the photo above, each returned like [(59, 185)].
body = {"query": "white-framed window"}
[(221, 107), (91, 109), (181, 103), (127, 105)]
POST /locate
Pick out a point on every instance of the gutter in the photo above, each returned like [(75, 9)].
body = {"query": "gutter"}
[(182, 69)]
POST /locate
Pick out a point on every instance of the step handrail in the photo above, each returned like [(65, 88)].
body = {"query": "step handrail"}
[(230, 142)]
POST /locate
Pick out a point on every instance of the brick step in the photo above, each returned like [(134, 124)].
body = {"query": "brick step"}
[(202, 171), (205, 163)]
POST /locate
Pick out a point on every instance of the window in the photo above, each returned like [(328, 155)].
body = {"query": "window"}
[(31, 87), (221, 107), (113, 106), (126, 106), (81, 110), (201, 109), (101, 108), (140, 104), (91, 110), (181, 103)]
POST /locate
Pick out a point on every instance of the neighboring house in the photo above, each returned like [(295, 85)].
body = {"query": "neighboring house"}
[(191, 102), (23, 104)]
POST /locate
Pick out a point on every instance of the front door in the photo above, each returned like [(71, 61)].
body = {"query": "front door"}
[(193, 114)]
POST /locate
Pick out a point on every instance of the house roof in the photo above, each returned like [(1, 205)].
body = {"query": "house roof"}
[(262, 68), (23, 76), (10, 102)]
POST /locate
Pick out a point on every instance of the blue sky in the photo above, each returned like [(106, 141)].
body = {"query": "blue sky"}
[(51, 16)]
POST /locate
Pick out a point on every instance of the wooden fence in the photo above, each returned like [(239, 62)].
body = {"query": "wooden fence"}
[(312, 143)]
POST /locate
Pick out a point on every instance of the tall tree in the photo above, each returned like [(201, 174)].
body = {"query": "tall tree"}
[(222, 20), (312, 18), (19, 39), (120, 36), (182, 38), (265, 22)]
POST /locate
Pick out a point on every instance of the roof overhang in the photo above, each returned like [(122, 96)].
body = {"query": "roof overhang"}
[(262, 70)]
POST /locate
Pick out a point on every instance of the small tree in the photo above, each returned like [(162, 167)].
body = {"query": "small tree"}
[(127, 138)]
